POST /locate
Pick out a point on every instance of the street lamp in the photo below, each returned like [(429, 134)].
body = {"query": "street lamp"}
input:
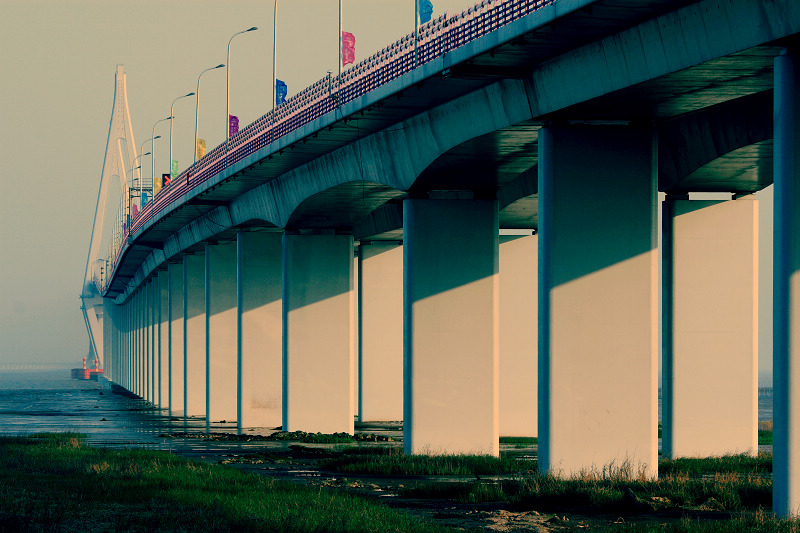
[(153, 165), (171, 122), (274, 41), (228, 84), (197, 106), (153, 146)]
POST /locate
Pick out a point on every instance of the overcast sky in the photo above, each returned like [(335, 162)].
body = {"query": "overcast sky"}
[(57, 65)]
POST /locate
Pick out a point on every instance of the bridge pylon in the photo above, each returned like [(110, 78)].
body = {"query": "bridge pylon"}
[(120, 154)]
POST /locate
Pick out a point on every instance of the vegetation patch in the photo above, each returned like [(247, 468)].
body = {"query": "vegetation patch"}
[(393, 462), (56, 483)]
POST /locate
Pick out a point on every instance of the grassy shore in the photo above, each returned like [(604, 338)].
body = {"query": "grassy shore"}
[(57, 483)]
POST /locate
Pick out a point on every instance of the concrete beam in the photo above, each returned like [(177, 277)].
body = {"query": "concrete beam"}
[(451, 351), (380, 359), (260, 329), (786, 321), (519, 335), (598, 296), (176, 335), (710, 335), (194, 334), (318, 333), (221, 321)]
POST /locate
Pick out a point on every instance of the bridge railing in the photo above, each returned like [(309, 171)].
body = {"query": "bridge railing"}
[(435, 38)]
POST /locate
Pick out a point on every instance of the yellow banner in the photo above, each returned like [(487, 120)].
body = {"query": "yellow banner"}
[(201, 148), (156, 185)]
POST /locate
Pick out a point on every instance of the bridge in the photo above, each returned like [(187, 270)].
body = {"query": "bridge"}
[(461, 232)]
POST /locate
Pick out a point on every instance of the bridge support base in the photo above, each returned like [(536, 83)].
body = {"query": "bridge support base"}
[(260, 318), (162, 338), (380, 297), (710, 335), (518, 335), (176, 345), (194, 334), (598, 301), (451, 352), (319, 333), (786, 350), (221, 362)]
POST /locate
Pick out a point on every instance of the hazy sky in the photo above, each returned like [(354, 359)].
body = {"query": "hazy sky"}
[(57, 65)]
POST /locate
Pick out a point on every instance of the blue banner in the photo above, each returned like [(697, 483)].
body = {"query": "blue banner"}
[(425, 11), (280, 92)]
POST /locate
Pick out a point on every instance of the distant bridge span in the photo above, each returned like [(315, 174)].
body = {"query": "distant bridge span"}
[(563, 118)]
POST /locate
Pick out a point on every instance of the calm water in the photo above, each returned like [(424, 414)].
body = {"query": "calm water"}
[(50, 401)]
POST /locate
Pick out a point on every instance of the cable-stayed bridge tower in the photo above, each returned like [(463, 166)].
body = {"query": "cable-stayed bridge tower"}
[(118, 169)]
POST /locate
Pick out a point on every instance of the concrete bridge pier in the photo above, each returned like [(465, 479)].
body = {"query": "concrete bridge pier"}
[(380, 318), (451, 339), (175, 352), (710, 327), (221, 324), (259, 317), (194, 334), (786, 317), (519, 334), (597, 300), (163, 338), (318, 332)]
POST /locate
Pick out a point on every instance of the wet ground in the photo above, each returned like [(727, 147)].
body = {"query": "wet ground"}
[(35, 402)]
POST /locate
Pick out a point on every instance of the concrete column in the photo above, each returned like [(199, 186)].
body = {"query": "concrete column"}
[(519, 335), (598, 298), (108, 337), (194, 334), (163, 339), (318, 333), (710, 336), (260, 329), (451, 323), (138, 344), (786, 322), (147, 344), (154, 344), (221, 314), (176, 345), (380, 340)]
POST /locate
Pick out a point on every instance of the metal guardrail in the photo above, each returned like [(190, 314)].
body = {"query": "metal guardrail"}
[(436, 37)]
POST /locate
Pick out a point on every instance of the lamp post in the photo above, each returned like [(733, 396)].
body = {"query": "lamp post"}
[(153, 146), (228, 92), (228, 83), (171, 122), (274, 41), (153, 169), (197, 106)]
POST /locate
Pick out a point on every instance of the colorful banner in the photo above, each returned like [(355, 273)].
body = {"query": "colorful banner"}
[(201, 148), (281, 90), (144, 198), (425, 11), (156, 186), (348, 48), (174, 169), (165, 180), (233, 125)]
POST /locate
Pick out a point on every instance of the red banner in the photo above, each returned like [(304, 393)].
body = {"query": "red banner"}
[(348, 48)]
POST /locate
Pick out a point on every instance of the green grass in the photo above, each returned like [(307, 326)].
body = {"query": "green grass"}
[(740, 464), (757, 522), (530, 441), (57, 483), (392, 462), (730, 483)]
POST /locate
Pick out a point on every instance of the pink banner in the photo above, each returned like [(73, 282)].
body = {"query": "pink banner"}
[(233, 125)]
